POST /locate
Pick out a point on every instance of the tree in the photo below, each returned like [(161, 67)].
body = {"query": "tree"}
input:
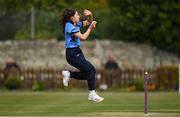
[(148, 21)]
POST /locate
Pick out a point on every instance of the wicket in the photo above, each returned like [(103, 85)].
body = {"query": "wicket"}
[(146, 93)]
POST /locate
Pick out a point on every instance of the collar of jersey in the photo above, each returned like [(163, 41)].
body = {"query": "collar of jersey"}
[(69, 21)]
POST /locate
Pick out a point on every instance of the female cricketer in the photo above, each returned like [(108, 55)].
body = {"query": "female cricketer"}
[(71, 25)]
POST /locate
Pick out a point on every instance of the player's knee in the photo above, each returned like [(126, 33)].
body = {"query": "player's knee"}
[(92, 70)]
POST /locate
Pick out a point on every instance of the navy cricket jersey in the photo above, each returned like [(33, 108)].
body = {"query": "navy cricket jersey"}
[(71, 41)]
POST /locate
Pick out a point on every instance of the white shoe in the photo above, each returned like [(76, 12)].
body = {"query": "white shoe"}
[(95, 97), (66, 77)]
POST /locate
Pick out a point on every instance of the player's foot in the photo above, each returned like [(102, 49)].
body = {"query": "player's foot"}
[(66, 77), (95, 97)]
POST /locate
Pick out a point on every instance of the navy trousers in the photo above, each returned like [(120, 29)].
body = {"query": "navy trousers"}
[(75, 57)]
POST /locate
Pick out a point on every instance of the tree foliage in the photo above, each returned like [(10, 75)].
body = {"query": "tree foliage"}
[(154, 22)]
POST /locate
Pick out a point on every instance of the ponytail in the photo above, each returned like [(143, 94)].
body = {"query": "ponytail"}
[(66, 15)]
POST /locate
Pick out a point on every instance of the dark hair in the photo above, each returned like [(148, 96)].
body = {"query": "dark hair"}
[(66, 15)]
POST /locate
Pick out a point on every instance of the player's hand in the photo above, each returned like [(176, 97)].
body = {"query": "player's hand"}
[(87, 12), (93, 25)]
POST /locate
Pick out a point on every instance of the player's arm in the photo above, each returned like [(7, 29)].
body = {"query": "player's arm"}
[(89, 19), (86, 34)]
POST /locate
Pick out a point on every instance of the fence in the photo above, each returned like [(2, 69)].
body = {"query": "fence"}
[(162, 79), (21, 25)]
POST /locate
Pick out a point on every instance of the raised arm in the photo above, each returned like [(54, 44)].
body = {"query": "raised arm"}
[(85, 35), (89, 19)]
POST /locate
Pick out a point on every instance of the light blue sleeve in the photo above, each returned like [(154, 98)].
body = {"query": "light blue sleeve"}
[(80, 24), (71, 29)]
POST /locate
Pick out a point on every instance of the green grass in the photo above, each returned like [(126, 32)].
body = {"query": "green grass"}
[(76, 103)]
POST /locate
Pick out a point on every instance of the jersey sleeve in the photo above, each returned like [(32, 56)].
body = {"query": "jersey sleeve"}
[(71, 29), (80, 24)]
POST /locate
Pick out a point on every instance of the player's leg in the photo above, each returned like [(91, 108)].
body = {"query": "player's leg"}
[(87, 69), (71, 57)]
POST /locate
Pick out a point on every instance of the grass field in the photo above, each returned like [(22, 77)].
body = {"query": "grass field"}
[(69, 103)]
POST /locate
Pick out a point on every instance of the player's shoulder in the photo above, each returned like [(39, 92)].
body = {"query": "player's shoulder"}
[(69, 24)]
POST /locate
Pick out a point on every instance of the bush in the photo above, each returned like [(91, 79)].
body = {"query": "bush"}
[(139, 85), (38, 86), (12, 83)]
